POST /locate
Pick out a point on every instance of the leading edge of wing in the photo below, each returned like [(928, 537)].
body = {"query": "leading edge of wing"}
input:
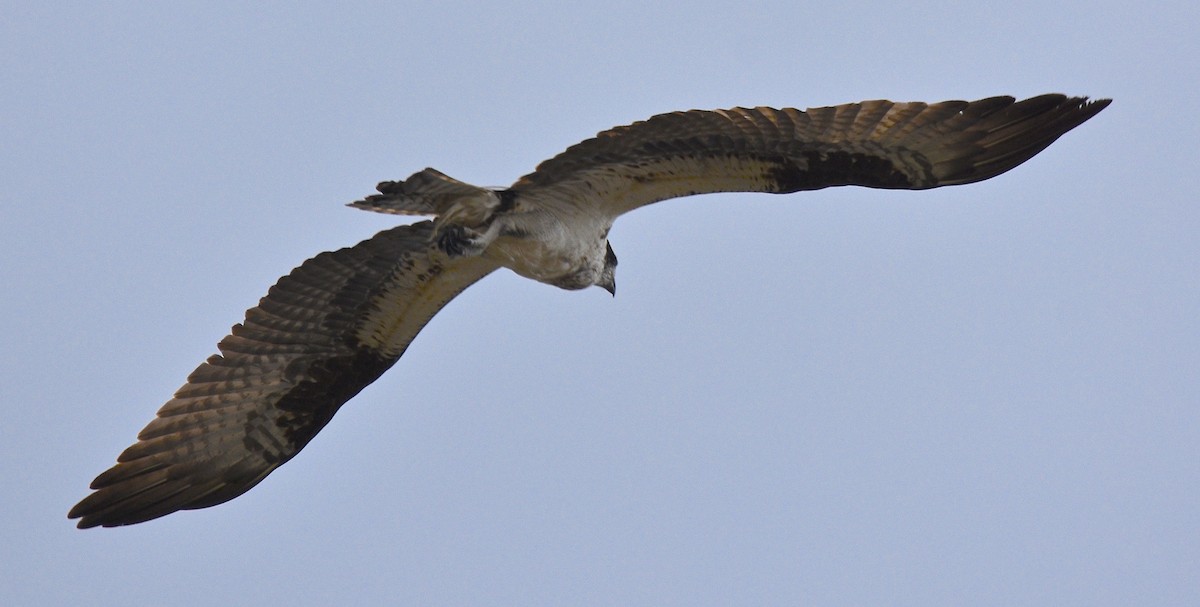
[(323, 333)]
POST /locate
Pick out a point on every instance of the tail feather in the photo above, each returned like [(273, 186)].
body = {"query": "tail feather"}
[(426, 192)]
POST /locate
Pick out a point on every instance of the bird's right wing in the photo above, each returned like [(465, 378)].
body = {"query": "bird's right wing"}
[(878, 144), (323, 333)]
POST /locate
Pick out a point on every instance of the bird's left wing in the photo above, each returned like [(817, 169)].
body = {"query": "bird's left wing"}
[(323, 333)]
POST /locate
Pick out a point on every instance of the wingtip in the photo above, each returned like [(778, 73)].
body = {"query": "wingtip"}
[(86, 511), (1099, 104), (84, 522), (1087, 105)]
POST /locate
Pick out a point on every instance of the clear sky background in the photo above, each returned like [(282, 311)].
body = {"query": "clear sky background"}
[(980, 395)]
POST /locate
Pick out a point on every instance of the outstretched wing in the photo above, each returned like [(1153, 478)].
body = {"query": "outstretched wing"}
[(879, 144), (321, 334)]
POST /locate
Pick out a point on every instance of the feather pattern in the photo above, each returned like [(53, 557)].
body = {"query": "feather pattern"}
[(878, 144), (322, 333), (426, 192)]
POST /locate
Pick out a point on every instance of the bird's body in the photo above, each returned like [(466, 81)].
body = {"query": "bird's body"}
[(552, 249), (337, 322)]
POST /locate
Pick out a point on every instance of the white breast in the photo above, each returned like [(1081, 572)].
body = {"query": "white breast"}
[(563, 251)]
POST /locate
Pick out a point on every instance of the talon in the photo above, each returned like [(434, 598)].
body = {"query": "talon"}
[(457, 241)]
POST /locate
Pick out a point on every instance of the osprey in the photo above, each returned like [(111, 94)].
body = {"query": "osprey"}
[(337, 322)]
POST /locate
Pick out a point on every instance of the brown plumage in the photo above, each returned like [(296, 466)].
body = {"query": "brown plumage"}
[(313, 342), (877, 144), (341, 319)]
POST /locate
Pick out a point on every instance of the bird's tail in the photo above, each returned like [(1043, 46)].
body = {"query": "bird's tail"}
[(429, 192)]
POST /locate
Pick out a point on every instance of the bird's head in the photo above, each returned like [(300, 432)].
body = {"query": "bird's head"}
[(608, 275)]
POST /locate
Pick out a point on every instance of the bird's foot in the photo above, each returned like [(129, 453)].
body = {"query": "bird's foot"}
[(459, 241)]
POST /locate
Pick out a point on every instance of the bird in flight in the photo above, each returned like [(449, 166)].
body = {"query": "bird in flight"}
[(336, 323)]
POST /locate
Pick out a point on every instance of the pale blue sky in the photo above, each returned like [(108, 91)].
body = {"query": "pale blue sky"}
[(976, 395)]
